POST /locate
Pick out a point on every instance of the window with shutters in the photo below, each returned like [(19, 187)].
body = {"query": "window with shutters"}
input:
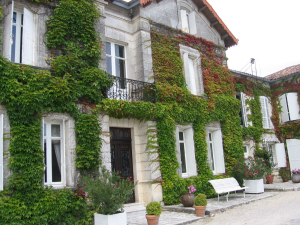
[(246, 151), (19, 35), (54, 152), (243, 111), (188, 21), (192, 71), (1, 152), (265, 112), (186, 151), (215, 150), (289, 107)]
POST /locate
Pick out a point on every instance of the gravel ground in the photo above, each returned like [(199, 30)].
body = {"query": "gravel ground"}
[(282, 209)]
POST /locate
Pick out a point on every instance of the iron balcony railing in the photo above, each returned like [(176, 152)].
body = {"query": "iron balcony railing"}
[(131, 90)]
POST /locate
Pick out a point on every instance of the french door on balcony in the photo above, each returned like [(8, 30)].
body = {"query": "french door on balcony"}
[(121, 153)]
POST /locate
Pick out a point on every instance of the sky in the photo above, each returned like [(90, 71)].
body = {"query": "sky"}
[(268, 31)]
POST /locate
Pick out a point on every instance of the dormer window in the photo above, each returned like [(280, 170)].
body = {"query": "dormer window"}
[(188, 21)]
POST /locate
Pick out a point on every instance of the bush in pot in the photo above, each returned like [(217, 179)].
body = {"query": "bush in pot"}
[(285, 174), (296, 176), (153, 210), (250, 172), (200, 204), (107, 191)]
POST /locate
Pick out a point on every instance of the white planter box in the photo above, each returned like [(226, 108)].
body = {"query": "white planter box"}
[(254, 186), (115, 219)]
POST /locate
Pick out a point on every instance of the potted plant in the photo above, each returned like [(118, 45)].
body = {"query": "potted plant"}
[(108, 192), (153, 210), (296, 176), (252, 171), (284, 173), (200, 204), (188, 198), (269, 164)]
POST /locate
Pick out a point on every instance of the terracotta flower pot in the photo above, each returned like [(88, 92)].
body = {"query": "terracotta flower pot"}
[(284, 179), (200, 210), (270, 179), (187, 199), (152, 219)]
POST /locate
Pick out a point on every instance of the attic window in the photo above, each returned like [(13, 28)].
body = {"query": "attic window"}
[(188, 21)]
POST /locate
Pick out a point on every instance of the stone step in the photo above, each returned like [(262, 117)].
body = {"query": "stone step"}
[(133, 207)]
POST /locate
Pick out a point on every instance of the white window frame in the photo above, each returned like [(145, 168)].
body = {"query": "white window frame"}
[(48, 163), (189, 147), (289, 107), (244, 109), (114, 57), (1, 153), (246, 151), (29, 38), (191, 69), (188, 21), (264, 102), (217, 142)]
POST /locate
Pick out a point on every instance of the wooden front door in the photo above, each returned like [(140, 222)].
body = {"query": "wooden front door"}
[(121, 153)]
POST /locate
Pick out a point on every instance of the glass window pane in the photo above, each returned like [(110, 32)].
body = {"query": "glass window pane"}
[(14, 17), (209, 134), (211, 157), (56, 161), (45, 126), (120, 68), (182, 154), (45, 156), (119, 51), (108, 48), (181, 136), (108, 65), (13, 46), (55, 130)]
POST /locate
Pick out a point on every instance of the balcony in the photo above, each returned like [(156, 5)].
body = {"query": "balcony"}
[(131, 90)]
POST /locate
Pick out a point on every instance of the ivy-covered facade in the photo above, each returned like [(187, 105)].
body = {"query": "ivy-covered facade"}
[(140, 87)]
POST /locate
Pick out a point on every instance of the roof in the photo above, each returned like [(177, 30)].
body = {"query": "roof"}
[(284, 73), (215, 21)]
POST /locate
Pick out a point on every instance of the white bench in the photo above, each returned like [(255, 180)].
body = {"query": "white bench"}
[(226, 185)]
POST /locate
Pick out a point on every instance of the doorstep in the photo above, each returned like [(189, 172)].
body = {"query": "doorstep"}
[(215, 206), (134, 207), (283, 186)]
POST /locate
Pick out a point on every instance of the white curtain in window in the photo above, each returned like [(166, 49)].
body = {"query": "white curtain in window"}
[(56, 147)]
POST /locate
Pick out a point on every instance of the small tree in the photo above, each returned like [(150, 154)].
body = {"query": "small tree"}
[(108, 191)]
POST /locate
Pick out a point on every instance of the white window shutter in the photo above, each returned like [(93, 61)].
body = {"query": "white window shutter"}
[(192, 81), (293, 146), (264, 112), (179, 171), (280, 155), (244, 109), (184, 21), (293, 105), (190, 152), (192, 23), (218, 150), (1, 153), (7, 34), (28, 38), (284, 114)]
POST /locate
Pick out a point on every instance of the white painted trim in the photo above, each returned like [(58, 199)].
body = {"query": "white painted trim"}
[(1, 153)]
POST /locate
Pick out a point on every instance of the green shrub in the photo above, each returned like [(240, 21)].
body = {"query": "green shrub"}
[(200, 200), (153, 208), (107, 191)]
